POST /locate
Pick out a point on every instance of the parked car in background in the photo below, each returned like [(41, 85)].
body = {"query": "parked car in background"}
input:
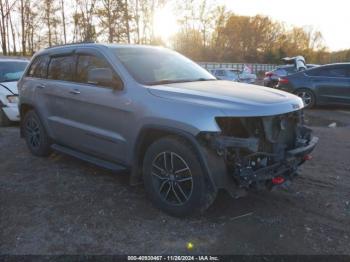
[(234, 75), (11, 71), (271, 77), (164, 118), (323, 85), (246, 76), (297, 61), (225, 74)]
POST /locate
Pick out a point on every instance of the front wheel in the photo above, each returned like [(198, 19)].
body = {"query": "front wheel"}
[(307, 96), (174, 178), (35, 134)]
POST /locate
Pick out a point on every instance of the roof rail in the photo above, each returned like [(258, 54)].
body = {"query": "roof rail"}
[(74, 43)]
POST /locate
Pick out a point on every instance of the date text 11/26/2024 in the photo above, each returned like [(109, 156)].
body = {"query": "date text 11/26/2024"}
[(173, 258)]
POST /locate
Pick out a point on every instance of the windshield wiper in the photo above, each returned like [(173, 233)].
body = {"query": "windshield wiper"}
[(170, 81), (164, 81), (202, 79)]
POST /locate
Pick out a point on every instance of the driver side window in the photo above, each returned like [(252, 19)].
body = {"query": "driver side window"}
[(86, 63)]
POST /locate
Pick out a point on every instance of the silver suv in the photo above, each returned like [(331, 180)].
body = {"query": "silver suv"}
[(157, 114)]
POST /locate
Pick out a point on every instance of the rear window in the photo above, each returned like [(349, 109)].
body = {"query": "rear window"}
[(38, 68), (62, 68), (280, 72)]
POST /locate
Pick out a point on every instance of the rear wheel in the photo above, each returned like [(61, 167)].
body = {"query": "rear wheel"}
[(35, 135), (4, 121), (307, 96), (174, 178)]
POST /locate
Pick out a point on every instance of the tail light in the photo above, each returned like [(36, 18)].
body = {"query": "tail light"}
[(283, 81), (307, 157), (278, 180)]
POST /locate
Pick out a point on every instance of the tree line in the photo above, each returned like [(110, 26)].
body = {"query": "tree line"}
[(206, 30)]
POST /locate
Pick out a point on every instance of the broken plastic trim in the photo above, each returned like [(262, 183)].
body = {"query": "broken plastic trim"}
[(259, 149)]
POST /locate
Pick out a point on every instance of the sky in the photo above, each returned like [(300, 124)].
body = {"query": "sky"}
[(332, 18)]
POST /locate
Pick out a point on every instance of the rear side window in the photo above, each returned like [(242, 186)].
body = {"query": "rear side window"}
[(62, 68), (38, 68), (86, 63), (329, 72)]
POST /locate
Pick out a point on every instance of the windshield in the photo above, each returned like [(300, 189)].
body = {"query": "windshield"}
[(11, 71), (154, 66), (233, 73)]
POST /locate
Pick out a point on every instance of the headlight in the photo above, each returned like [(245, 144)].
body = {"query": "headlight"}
[(12, 99)]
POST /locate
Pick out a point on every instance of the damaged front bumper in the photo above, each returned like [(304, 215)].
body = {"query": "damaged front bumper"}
[(286, 168), (267, 148)]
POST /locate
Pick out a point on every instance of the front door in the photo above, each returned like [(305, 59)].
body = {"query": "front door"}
[(91, 117)]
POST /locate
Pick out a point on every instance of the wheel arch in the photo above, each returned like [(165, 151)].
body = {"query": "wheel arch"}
[(24, 108), (151, 133)]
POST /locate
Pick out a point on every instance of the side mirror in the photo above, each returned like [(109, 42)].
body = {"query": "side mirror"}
[(103, 77)]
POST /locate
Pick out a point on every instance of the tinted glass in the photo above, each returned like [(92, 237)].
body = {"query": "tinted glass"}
[(152, 66), (280, 72), (232, 73), (329, 72), (220, 72), (86, 63), (62, 68), (290, 70), (39, 67), (11, 71)]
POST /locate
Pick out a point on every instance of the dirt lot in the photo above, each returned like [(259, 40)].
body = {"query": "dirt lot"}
[(60, 205)]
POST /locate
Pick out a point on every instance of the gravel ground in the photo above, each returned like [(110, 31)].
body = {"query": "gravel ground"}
[(60, 205)]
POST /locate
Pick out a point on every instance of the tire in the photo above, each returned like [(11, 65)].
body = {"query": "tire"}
[(307, 96), (174, 179), (4, 121), (35, 135)]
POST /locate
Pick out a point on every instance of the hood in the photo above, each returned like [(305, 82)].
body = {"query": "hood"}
[(232, 98), (10, 86)]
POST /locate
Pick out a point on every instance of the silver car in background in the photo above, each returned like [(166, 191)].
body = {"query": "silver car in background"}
[(234, 75), (166, 120)]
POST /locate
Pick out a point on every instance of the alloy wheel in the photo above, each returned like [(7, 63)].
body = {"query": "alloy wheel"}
[(305, 96), (33, 132), (172, 178)]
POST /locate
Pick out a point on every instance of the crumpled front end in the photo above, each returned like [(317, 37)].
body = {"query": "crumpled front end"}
[(261, 151)]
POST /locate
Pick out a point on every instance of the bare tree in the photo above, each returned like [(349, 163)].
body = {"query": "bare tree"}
[(23, 27), (63, 22), (84, 19)]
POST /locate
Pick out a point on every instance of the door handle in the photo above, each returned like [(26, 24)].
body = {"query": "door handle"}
[(75, 92), (41, 86)]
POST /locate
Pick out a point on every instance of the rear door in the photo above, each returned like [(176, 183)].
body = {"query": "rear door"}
[(61, 71), (35, 82), (331, 84)]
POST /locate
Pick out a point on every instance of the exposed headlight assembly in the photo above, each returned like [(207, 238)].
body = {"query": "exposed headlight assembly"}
[(13, 99)]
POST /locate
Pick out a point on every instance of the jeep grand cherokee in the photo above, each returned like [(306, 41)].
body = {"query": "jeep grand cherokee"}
[(161, 116)]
